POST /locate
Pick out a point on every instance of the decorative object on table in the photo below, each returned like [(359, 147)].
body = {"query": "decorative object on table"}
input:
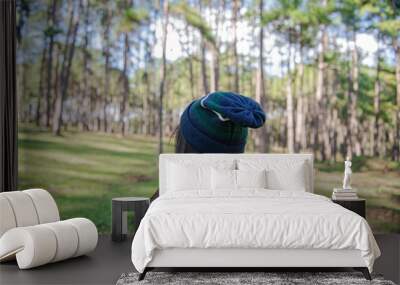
[(248, 278), (355, 205), (347, 175), (120, 208), (347, 192), (32, 233), (342, 194)]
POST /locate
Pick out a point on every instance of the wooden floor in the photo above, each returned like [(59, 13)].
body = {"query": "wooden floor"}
[(110, 260)]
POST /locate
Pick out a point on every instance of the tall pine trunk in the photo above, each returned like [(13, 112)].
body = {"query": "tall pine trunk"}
[(214, 67), (235, 13), (353, 144), (163, 76), (125, 95), (84, 120), (41, 87), (261, 140), (107, 55), (322, 135), (300, 137), (66, 67), (289, 104), (215, 62), (52, 23), (377, 102), (148, 104), (396, 146), (204, 79), (190, 63)]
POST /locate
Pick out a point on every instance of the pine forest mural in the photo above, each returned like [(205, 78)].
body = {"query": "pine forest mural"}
[(102, 83)]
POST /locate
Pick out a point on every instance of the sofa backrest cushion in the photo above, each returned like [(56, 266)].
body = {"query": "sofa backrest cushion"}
[(26, 208), (231, 160)]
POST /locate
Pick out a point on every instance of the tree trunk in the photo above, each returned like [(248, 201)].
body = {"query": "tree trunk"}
[(85, 92), (53, 22), (206, 89), (146, 105), (289, 105), (396, 146), (353, 145), (190, 60), (41, 88), (126, 91), (163, 75), (66, 68), (335, 129), (107, 78), (377, 101), (322, 136), (300, 138), (235, 13), (261, 140), (214, 67), (56, 79), (214, 62)]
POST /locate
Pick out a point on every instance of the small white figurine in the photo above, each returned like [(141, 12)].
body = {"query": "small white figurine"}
[(347, 174)]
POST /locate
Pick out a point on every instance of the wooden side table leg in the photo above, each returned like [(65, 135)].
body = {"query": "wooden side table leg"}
[(116, 221)]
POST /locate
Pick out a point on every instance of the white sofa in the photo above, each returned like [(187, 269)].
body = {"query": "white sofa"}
[(31, 231)]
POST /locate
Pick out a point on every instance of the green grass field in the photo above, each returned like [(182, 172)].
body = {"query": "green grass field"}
[(83, 171)]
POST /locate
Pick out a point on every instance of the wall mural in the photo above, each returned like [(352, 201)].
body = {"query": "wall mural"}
[(102, 84)]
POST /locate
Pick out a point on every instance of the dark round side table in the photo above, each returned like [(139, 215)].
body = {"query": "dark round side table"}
[(120, 208)]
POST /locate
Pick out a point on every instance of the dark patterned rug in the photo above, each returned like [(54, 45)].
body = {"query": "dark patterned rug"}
[(273, 278)]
